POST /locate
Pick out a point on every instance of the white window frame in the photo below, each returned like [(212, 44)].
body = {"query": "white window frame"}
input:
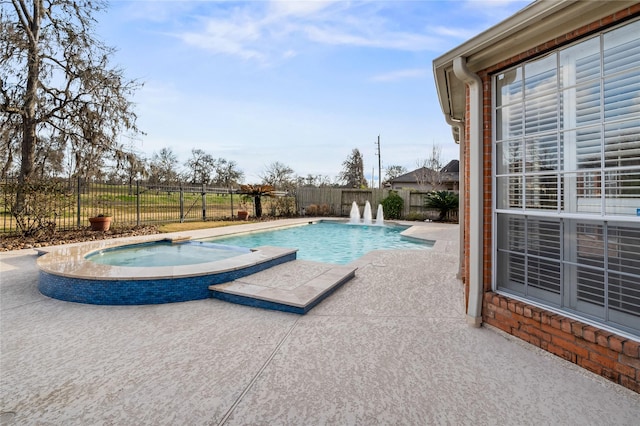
[(562, 178)]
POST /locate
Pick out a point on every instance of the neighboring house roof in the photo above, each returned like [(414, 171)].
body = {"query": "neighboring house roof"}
[(452, 166), (449, 173)]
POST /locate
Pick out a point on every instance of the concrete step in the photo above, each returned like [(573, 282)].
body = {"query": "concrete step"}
[(295, 286)]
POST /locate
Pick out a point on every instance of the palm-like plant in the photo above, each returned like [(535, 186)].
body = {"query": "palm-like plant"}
[(443, 201), (257, 191)]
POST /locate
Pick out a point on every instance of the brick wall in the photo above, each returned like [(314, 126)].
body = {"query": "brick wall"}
[(599, 351)]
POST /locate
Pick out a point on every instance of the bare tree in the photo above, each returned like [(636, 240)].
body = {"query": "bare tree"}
[(201, 166), (280, 176), (352, 174), (428, 175), (393, 172), (163, 167), (227, 173), (56, 82)]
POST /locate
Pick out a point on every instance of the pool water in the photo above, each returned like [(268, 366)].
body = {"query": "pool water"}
[(161, 253), (330, 242)]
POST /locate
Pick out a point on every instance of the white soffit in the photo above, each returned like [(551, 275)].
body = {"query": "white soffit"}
[(538, 23)]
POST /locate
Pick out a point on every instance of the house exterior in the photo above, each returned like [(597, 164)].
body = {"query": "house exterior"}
[(546, 109), (425, 179)]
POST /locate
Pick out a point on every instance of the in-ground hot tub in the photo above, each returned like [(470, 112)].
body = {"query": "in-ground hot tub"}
[(69, 274)]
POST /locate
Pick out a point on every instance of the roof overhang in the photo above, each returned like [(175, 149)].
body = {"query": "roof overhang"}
[(533, 26)]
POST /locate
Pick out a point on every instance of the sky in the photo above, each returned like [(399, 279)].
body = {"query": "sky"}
[(302, 83)]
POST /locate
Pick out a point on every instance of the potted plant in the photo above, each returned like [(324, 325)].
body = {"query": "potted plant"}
[(101, 222), (243, 212)]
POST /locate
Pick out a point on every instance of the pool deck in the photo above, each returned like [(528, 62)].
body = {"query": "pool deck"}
[(390, 346)]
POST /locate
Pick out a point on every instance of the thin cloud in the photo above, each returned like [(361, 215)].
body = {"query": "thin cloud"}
[(401, 75), (278, 28)]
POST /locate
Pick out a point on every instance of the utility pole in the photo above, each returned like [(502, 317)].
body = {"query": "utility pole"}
[(379, 164)]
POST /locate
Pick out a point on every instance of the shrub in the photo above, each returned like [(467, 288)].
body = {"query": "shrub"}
[(392, 206), (443, 201), (415, 216), (323, 210), (311, 210), (35, 205)]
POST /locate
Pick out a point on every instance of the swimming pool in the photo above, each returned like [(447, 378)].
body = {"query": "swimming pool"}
[(165, 253), (330, 241)]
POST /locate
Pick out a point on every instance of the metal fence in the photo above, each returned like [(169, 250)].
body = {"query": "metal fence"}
[(68, 204)]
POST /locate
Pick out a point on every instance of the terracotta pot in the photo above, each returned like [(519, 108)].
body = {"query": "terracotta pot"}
[(100, 223), (243, 215)]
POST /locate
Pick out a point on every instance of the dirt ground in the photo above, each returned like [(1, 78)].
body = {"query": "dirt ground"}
[(8, 243)]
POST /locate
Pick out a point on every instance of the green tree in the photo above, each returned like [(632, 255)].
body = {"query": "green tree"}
[(393, 205), (443, 201), (352, 175)]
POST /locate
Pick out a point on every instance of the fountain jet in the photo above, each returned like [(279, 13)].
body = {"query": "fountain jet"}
[(354, 216), (367, 217), (380, 216)]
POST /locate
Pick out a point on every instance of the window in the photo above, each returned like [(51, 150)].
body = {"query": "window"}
[(567, 179)]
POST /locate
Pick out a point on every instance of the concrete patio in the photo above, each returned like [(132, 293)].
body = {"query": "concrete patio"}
[(391, 346)]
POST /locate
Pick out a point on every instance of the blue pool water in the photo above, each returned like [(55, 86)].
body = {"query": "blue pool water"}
[(330, 242), (161, 253)]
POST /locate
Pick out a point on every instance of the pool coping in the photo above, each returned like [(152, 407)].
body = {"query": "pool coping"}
[(69, 261), (64, 270)]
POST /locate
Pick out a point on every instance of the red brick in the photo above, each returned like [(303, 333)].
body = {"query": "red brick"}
[(630, 383), (631, 362), (520, 308), (606, 20), (591, 366), (537, 332), (576, 328), (589, 334), (623, 369), (536, 314), (611, 375), (565, 325), (554, 331), (601, 350), (527, 312), (631, 348), (562, 353), (615, 343), (499, 324), (570, 346), (602, 360), (508, 321), (602, 338)]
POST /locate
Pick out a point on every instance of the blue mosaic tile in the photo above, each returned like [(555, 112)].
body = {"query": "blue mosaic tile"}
[(143, 292)]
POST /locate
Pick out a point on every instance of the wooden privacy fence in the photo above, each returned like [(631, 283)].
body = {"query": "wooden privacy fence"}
[(338, 202)]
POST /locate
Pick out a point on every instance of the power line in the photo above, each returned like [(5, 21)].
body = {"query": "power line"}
[(379, 164)]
